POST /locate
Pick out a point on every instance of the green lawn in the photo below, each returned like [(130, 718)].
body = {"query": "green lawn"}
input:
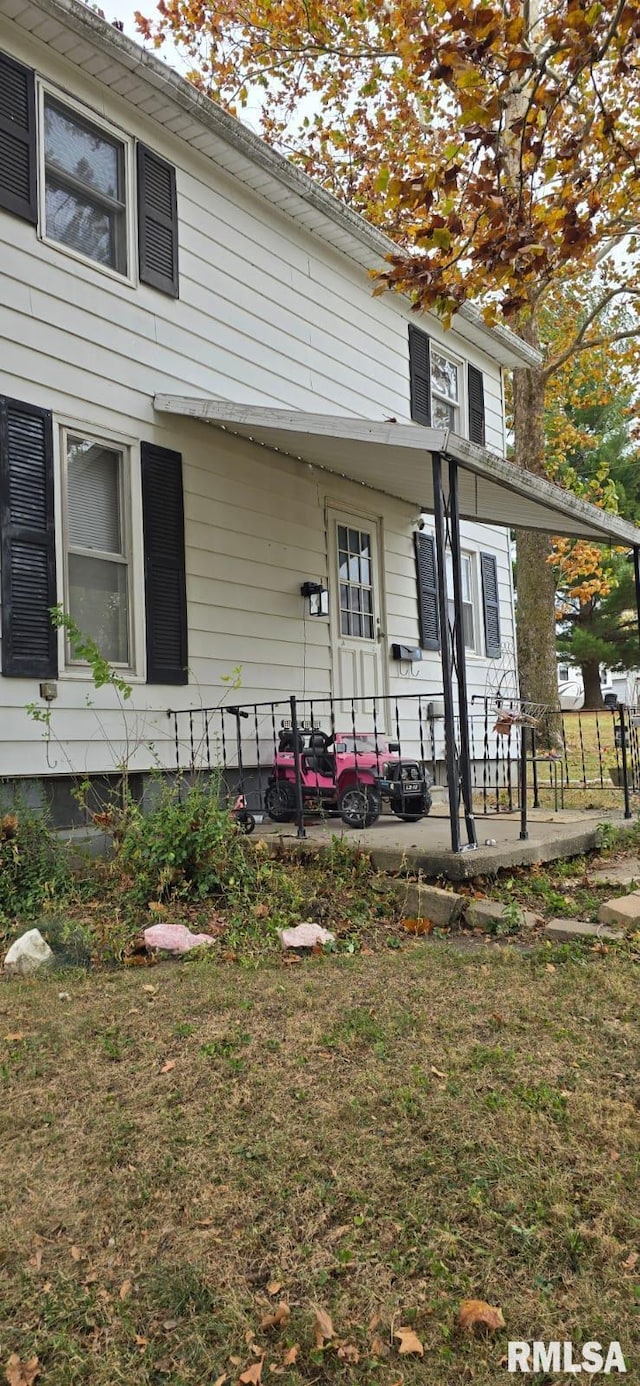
[(380, 1136)]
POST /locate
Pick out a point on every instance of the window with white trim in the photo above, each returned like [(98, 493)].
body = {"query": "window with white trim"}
[(470, 613), (355, 573), (87, 170), (97, 558), (445, 391)]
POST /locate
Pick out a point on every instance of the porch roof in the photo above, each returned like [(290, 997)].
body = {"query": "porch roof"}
[(391, 457)]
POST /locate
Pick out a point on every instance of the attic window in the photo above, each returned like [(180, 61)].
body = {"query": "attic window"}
[(86, 170)]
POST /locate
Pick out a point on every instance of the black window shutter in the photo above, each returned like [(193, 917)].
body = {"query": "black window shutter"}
[(18, 184), (27, 542), (164, 565), (420, 376), (475, 385), (427, 578), (157, 223), (491, 603)]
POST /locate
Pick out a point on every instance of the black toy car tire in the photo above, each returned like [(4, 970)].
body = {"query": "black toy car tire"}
[(370, 805), (279, 803), (409, 817)]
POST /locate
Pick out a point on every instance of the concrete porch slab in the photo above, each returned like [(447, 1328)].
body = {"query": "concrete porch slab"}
[(424, 847)]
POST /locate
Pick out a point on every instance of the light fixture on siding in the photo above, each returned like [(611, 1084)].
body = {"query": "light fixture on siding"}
[(317, 597)]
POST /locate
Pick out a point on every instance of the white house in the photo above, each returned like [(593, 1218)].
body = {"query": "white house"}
[(163, 270)]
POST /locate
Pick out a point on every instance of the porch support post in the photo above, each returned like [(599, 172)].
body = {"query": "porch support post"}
[(453, 784), (460, 655), (636, 571)]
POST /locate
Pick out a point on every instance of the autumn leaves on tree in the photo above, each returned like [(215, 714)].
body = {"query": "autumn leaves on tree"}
[(498, 144)]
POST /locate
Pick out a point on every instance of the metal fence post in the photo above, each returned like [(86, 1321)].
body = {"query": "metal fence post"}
[(623, 756), (524, 830), (298, 768), (534, 767)]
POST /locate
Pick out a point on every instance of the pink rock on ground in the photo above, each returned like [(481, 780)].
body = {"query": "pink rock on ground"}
[(305, 936), (174, 938)]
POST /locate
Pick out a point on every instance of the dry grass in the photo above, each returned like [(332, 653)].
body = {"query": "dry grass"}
[(384, 1135)]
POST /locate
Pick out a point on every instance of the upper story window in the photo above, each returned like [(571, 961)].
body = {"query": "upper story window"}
[(91, 189), (445, 391), (85, 186)]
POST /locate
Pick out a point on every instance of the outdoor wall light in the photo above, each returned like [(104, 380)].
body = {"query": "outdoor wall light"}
[(317, 597)]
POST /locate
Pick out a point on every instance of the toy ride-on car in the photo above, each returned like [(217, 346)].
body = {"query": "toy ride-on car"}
[(350, 774)]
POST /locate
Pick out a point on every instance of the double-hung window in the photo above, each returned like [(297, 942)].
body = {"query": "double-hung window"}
[(445, 391), (86, 181), (98, 597), (469, 588)]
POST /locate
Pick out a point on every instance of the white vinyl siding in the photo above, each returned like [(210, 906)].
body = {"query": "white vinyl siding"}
[(267, 314)]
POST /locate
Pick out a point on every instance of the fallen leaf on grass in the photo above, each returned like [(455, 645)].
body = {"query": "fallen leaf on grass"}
[(76, 1254), (125, 1289), (409, 1341), (631, 1261), (477, 1311), (253, 1375), (166, 1068), (323, 1327), (549, 967), (378, 1347), (148, 987), (36, 1259), (20, 1373), (419, 927), (349, 1353), (291, 1355), (220, 1380), (14, 1038), (374, 1321), (281, 1315), (438, 1072), (261, 910), (169, 1324), (274, 1287)]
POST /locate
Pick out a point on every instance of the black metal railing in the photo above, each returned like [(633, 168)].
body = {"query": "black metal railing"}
[(586, 753)]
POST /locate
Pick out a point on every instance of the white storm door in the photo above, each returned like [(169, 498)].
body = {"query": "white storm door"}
[(358, 670)]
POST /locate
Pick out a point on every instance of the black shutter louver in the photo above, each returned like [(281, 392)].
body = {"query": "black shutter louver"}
[(491, 603), (28, 552), (420, 376), (164, 565), (18, 182), (157, 223), (427, 579), (475, 385)]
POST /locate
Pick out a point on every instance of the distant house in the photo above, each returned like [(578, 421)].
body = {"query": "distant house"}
[(162, 271)]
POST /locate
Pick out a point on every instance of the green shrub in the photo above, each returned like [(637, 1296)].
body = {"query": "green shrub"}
[(34, 866), (188, 845)]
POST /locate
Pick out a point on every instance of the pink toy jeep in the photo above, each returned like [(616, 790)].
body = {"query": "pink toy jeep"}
[(350, 774)]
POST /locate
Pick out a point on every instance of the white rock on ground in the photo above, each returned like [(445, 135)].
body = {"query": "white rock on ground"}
[(305, 936), (29, 953), (624, 909), (569, 930)]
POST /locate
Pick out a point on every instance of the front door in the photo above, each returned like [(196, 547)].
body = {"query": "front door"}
[(358, 669)]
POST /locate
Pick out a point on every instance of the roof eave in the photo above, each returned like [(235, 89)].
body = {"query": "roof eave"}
[(358, 238)]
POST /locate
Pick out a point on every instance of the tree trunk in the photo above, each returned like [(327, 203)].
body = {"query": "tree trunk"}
[(535, 612), (590, 671)]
